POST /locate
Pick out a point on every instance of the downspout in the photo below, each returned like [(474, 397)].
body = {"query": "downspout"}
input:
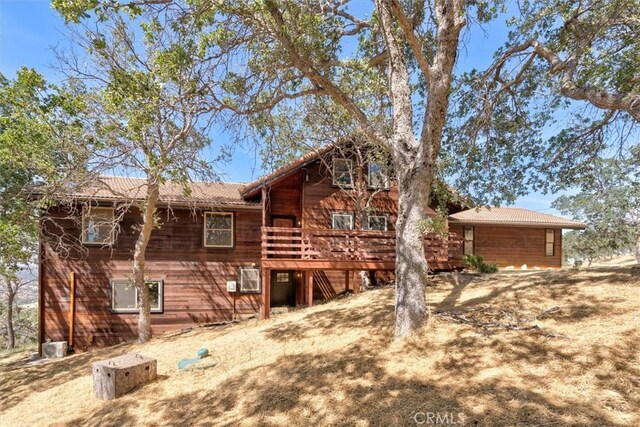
[(72, 309), (40, 293)]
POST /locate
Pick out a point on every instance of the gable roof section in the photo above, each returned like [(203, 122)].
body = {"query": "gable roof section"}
[(201, 193), (513, 217), (251, 189)]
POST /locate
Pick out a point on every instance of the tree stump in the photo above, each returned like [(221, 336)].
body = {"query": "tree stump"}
[(115, 377)]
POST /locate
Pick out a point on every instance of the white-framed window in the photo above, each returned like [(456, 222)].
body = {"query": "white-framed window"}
[(97, 225), (250, 279), (549, 242), (377, 176), (218, 229), (378, 222), (343, 172), (468, 240), (341, 221), (124, 296)]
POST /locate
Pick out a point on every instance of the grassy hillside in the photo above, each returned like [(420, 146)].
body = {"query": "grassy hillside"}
[(556, 348)]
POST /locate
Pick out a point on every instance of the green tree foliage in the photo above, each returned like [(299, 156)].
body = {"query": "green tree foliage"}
[(42, 148), (40, 138), (609, 202), (587, 245), (564, 90), (151, 76)]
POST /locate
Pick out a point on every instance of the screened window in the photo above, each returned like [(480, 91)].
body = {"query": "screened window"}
[(378, 222), (343, 172), (218, 229), (377, 177), (549, 242), (468, 240), (124, 296), (97, 225), (250, 280), (342, 221)]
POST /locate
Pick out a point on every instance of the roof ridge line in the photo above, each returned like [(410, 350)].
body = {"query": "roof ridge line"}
[(191, 181)]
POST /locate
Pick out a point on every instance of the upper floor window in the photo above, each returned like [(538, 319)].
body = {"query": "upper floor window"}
[(124, 296), (468, 240), (218, 229), (549, 242), (378, 222), (343, 172), (342, 221), (97, 225), (377, 176)]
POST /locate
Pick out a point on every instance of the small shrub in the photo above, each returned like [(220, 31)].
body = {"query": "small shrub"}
[(473, 261), (489, 268), (476, 262)]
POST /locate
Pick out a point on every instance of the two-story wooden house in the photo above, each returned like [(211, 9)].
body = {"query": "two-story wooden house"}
[(228, 250)]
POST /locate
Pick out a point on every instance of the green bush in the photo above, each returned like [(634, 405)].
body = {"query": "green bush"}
[(488, 268), (476, 262)]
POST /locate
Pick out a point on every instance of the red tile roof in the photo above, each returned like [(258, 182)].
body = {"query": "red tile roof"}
[(512, 216), (200, 193)]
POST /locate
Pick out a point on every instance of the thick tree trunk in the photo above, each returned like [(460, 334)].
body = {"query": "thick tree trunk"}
[(638, 248), (148, 214), (411, 263), (11, 335)]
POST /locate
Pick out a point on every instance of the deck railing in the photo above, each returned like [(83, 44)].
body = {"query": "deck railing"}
[(349, 245)]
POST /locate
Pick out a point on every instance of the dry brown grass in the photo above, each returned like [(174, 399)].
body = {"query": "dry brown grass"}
[(337, 364)]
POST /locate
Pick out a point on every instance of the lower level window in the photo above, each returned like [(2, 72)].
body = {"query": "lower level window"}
[(124, 296), (250, 279)]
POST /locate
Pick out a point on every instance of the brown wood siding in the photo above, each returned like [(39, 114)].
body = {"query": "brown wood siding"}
[(194, 278), (284, 199), (321, 198), (515, 246)]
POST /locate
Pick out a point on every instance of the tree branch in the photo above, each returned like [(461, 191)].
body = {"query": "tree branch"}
[(412, 39), (600, 98), (319, 80)]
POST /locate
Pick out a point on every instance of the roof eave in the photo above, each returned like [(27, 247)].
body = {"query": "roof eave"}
[(529, 224), (177, 204)]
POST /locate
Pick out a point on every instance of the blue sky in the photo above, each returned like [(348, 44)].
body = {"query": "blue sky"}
[(30, 28)]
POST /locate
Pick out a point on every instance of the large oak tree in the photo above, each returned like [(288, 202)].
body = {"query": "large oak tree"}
[(149, 109)]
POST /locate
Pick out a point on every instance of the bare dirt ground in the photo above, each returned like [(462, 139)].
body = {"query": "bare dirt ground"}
[(514, 349)]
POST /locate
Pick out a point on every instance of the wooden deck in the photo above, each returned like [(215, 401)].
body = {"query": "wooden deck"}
[(349, 250), (325, 249)]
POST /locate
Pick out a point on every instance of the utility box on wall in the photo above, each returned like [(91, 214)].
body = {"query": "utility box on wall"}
[(231, 285)]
